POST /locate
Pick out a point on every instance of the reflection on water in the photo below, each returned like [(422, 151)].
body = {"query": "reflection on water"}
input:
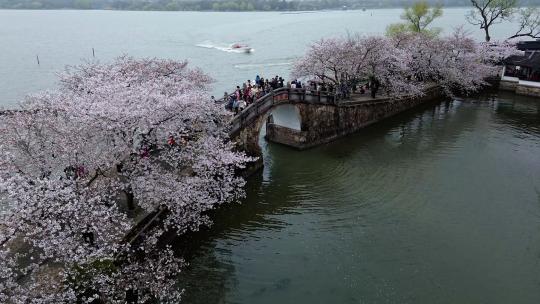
[(438, 205)]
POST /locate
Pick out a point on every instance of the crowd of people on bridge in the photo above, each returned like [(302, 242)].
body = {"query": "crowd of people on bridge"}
[(251, 91)]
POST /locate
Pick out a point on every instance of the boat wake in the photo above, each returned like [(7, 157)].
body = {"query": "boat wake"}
[(248, 66), (225, 48)]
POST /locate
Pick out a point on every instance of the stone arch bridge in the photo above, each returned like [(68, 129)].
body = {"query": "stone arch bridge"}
[(323, 117)]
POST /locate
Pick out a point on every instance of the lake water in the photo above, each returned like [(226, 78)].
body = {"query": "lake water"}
[(67, 37), (438, 205)]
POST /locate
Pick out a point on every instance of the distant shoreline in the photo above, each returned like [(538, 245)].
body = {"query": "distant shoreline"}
[(218, 11)]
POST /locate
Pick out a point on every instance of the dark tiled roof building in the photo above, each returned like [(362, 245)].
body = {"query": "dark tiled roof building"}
[(522, 73)]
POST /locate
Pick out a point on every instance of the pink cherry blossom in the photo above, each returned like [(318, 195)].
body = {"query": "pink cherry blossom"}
[(71, 157), (406, 64)]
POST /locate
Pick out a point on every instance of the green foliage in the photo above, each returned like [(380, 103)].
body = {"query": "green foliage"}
[(396, 29), (506, 7), (420, 15), (82, 274), (417, 19)]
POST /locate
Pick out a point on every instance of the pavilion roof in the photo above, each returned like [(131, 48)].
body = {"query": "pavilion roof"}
[(530, 59), (529, 45)]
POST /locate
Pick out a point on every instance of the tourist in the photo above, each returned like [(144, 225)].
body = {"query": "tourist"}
[(145, 152), (374, 87), (242, 105), (236, 105), (230, 101), (70, 172), (246, 93), (257, 80), (88, 235), (213, 99), (81, 171), (238, 93), (170, 141), (342, 90), (253, 93)]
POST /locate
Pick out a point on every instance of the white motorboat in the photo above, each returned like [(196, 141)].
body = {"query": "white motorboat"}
[(241, 48)]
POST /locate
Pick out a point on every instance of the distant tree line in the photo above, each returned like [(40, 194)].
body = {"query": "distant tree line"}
[(224, 5)]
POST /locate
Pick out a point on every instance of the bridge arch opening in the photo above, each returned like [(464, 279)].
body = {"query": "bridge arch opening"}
[(285, 115), (284, 109)]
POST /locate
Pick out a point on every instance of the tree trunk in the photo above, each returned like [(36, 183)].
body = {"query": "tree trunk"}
[(488, 38), (129, 197)]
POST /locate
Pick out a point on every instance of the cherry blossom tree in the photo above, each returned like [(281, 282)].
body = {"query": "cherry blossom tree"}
[(448, 62), (330, 60), (457, 63), (388, 66), (132, 134), (359, 59), (406, 63)]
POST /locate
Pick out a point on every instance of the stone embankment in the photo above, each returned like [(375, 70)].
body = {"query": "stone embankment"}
[(520, 87)]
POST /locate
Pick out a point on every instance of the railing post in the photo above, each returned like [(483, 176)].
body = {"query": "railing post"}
[(289, 94)]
